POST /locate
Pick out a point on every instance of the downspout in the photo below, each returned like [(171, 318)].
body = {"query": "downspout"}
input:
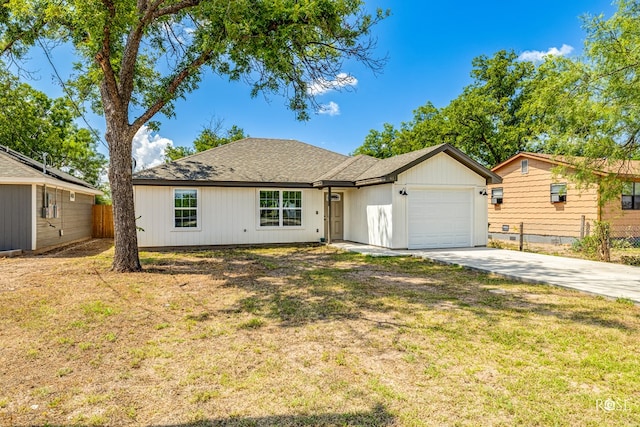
[(329, 216)]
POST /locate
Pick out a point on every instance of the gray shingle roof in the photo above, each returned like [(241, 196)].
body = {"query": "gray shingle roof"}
[(17, 165), (250, 160), (350, 169), (10, 168), (289, 162)]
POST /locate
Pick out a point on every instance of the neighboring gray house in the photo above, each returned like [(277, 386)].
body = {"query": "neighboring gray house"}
[(256, 191), (41, 208)]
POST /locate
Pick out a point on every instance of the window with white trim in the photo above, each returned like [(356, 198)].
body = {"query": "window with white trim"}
[(496, 196), (558, 193), (524, 166), (280, 208), (185, 208), (631, 196)]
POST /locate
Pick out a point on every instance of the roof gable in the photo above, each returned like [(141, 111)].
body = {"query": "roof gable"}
[(390, 167)]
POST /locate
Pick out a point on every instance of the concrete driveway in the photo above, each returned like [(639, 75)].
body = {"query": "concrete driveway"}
[(601, 278)]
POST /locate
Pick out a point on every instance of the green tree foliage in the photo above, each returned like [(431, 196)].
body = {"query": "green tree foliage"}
[(137, 57), (211, 136), (380, 144), (487, 120), (32, 123), (590, 106), (175, 153), (612, 52)]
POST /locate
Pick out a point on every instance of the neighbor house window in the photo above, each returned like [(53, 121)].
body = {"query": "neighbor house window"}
[(631, 195), (524, 166), (185, 208), (280, 208), (558, 193), (496, 196)]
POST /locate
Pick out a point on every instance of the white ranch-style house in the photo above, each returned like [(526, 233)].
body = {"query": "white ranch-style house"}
[(262, 191)]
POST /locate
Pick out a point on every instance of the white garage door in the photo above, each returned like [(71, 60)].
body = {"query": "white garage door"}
[(440, 218)]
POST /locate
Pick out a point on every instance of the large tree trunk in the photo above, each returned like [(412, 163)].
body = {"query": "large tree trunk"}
[(119, 136)]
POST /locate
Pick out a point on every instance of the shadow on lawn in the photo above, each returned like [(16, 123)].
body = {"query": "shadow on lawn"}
[(87, 248), (377, 417), (305, 286)]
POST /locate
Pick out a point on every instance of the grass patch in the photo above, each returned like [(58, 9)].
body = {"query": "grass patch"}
[(63, 372), (625, 301), (97, 309), (253, 323), (306, 335)]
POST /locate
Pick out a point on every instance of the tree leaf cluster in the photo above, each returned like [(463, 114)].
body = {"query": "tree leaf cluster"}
[(32, 123), (487, 120), (211, 136)]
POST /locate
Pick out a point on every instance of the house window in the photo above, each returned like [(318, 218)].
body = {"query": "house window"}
[(496, 196), (185, 208), (280, 208), (631, 195), (292, 208), (524, 165), (558, 193)]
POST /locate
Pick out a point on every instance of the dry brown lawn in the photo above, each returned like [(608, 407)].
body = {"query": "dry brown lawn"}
[(304, 335)]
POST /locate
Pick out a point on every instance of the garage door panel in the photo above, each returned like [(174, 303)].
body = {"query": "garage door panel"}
[(440, 218)]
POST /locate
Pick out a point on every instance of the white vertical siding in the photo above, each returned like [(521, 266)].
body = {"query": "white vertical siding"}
[(226, 216), (370, 211)]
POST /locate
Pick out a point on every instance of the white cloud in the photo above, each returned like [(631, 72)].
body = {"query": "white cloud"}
[(322, 86), (148, 149), (539, 56), (331, 109)]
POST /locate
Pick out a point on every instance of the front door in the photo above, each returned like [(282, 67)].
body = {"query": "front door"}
[(337, 219)]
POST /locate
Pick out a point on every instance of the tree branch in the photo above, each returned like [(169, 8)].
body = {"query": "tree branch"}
[(103, 57), (174, 8), (148, 13), (171, 89), (33, 31)]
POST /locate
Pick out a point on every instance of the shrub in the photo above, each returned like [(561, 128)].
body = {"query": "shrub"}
[(630, 259), (587, 245), (598, 244)]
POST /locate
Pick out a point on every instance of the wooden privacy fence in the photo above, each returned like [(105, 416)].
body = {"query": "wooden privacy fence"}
[(102, 221)]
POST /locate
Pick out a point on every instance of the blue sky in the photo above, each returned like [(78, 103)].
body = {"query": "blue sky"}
[(429, 44)]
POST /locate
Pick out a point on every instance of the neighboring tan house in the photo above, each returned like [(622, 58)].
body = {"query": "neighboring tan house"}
[(551, 207), (41, 208), (256, 191)]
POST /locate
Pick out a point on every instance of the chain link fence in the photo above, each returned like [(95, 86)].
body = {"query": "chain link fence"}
[(625, 236), (563, 233), (618, 242)]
